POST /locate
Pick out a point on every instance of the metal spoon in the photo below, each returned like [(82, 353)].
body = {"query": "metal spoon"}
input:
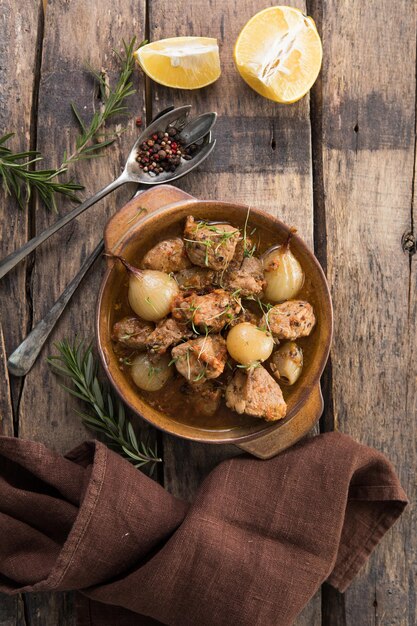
[(198, 127)]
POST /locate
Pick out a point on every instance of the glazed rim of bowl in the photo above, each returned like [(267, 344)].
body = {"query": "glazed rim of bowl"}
[(164, 422)]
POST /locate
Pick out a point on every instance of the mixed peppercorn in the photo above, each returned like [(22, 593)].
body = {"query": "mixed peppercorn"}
[(163, 152)]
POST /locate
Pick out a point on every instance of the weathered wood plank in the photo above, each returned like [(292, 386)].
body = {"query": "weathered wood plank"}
[(263, 157), (47, 609), (368, 173), (75, 34), (12, 611), (18, 72)]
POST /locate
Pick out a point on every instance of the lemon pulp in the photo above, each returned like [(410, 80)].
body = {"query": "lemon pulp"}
[(279, 53), (181, 62)]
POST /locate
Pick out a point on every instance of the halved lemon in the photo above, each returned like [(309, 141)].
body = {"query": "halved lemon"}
[(181, 62), (279, 53)]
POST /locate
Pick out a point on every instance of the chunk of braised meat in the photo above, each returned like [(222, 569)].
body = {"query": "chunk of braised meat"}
[(205, 398), (167, 256), (244, 248), (291, 319), (211, 311), (200, 359), (256, 393), (245, 315), (167, 333), (210, 245), (132, 332), (248, 278), (195, 278)]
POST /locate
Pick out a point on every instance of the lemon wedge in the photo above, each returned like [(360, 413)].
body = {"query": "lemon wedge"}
[(181, 62), (279, 53)]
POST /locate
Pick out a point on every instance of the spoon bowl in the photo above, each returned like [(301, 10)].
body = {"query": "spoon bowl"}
[(196, 131)]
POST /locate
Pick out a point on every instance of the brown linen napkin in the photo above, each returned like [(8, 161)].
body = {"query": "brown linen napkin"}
[(252, 549)]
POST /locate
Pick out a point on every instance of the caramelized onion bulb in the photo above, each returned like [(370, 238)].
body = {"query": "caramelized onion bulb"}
[(151, 375), (287, 363), (150, 292), (247, 344), (283, 274)]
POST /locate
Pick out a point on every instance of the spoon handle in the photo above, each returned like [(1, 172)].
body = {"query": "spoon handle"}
[(10, 261), (22, 359)]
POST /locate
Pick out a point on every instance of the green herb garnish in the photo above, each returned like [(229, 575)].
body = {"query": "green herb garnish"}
[(77, 364), (248, 252), (21, 180)]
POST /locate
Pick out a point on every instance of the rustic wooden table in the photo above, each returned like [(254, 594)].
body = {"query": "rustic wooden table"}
[(339, 165)]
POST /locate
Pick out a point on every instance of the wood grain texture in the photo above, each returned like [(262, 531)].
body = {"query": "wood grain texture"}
[(12, 611), (76, 33), (50, 609), (6, 408), (368, 152), (262, 157), (18, 73)]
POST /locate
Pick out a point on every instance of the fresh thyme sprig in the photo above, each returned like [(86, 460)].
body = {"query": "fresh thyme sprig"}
[(247, 251), (20, 180), (76, 363)]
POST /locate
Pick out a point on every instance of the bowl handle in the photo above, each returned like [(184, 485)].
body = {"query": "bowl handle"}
[(127, 219), (275, 441)]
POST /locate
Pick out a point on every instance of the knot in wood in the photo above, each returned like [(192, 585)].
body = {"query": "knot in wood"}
[(408, 243)]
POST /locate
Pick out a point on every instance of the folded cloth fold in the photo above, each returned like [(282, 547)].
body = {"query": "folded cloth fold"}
[(252, 549)]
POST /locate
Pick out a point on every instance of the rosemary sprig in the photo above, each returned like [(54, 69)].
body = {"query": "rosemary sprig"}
[(90, 141), (20, 180), (17, 171), (77, 364)]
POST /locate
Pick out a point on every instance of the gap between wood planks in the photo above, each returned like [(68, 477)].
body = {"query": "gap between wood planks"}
[(30, 263), (332, 602), (315, 9), (18, 383)]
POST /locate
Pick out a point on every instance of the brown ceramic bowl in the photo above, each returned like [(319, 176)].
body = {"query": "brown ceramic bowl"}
[(131, 233)]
